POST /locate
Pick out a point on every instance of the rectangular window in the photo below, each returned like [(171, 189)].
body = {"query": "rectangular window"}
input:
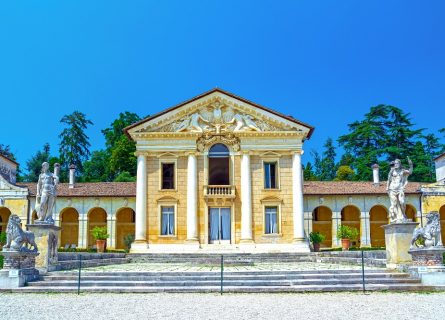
[(271, 220), (168, 176), (270, 175), (167, 221)]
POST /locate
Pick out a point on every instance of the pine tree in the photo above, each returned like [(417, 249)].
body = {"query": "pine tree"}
[(308, 172), (74, 144), (328, 166), (5, 150)]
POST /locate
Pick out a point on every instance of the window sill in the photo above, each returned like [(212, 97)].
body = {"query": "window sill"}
[(168, 190), (271, 189), (272, 235), (170, 236)]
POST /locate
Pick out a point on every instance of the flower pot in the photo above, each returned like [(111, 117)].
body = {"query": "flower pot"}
[(345, 244), (100, 244), (316, 247)]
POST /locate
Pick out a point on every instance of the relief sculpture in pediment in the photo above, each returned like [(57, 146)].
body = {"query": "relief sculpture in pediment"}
[(218, 118)]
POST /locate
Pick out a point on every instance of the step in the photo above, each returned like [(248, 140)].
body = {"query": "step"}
[(87, 277), (74, 264), (228, 289)]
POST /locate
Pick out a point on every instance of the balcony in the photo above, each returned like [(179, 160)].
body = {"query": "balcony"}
[(219, 192)]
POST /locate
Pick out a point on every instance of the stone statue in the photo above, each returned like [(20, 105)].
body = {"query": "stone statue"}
[(46, 195), (430, 234), (17, 239), (397, 181), (192, 123)]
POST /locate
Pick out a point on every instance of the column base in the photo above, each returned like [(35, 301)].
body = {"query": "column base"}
[(192, 244), (301, 245), (139, 246), (247, 245)]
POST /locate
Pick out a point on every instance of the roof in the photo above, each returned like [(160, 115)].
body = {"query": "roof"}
[(89, 189), (440, 156), (289, 118), (128, 189), (9, 159), (352, 187)]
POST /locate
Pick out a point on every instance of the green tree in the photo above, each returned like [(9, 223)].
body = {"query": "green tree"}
[(385, 133), (74, 144), (308, 172), (34, 165), (5, 150), (328, 166), (119, 147), (344, 173), (96, 169)]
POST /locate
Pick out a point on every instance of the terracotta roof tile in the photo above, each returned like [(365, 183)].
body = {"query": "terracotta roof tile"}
[(352, 187), (90, 189), (128, 189)]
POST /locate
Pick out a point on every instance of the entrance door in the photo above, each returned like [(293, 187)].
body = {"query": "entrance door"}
[(219, 225)]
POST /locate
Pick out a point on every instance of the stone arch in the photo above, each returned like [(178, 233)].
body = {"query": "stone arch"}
[(125, 225), (411, 212), (378, 216), (4, 218), (350, 216), (322, 222), (97, 217), (442, 222), (69, 222)]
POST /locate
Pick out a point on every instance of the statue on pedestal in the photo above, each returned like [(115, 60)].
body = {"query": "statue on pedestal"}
[(46, 194), (429, 235), (18, 240), (397, 181)]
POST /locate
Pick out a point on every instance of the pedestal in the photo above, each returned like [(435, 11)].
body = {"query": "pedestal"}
[(428, 265), (47, 240), (397, 241), (18, 269)]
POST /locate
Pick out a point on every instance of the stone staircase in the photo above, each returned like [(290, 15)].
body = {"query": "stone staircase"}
[(70, 260), (233, 281)]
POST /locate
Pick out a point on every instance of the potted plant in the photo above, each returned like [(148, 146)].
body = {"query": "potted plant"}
[(316, 238), (100, 235), (2, 239), (128, 240), (346, 234)]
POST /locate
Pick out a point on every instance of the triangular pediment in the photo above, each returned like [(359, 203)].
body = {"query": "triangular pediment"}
[(9, 190), (218, 111)]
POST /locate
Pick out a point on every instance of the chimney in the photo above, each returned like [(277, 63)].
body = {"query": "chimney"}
[(72, 176), (56, 169), (375, 173)]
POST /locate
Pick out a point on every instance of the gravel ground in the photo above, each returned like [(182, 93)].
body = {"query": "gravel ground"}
[(230, 306)]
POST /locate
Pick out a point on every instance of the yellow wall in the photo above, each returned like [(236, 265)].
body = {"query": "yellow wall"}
[(69, 222), (378, 216), (97, 217), (125, 225), (322, 222), (350, 216)]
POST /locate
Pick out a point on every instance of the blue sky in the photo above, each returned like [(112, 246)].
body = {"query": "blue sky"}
[(324, 62)]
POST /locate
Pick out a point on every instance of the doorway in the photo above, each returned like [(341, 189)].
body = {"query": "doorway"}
[(219, 225)]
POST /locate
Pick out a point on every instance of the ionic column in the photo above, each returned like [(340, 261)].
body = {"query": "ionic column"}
[(308, 222), (83, 231), (246, 199), (111, 227), (192, 198), (141, 204), (365, 230), (297, 197)]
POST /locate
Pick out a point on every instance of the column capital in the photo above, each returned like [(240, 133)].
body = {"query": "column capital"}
[(297, 152), (140, 153)]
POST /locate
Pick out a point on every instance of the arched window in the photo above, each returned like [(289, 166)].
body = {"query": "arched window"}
[(219, 166)]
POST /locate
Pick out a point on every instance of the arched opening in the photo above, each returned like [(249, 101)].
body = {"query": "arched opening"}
[(4, 218), (411, 212), (125, 225), (350, 216), (442, 222), (69, 222), (97, 217), (378, 216), (219, 165), (322, 222)]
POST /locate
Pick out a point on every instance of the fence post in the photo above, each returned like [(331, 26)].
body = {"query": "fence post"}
[(363, 271), (78, 278), (222, 274)]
